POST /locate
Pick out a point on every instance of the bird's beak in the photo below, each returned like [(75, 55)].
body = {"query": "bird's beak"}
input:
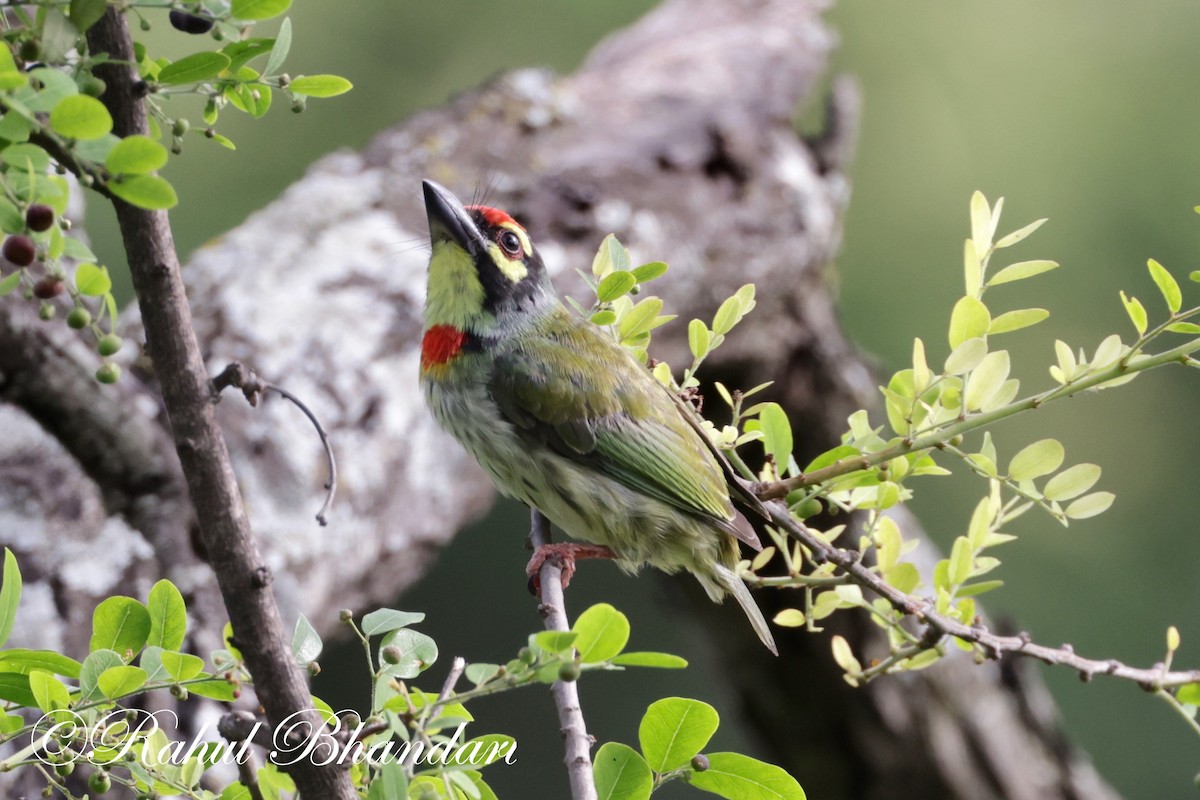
[(449, 221)]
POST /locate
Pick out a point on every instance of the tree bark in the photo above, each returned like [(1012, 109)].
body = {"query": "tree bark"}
[(676, 134)]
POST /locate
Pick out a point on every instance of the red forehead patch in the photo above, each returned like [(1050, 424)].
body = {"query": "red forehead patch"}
[(494, 216)]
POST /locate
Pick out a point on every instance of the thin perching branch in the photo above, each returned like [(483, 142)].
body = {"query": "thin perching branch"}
[(553, 608), (241, 573), (993, 645)]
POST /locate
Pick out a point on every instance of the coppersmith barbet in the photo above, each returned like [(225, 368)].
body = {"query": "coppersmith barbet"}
[(564, 418)]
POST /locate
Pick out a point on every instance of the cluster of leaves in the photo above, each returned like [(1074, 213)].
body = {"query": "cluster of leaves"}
[(931, 414), (52, 123), (671, 735)]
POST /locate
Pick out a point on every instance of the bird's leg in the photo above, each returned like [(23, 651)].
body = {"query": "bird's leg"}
[(567, 553)]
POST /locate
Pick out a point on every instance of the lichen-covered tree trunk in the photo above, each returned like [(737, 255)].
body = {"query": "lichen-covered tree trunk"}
[(677, 135)]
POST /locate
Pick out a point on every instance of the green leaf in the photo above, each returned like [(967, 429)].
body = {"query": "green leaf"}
[(14, 687), (1022, 270), (136, 155), (25, 156), (738, 777), (279, 52), (481, 672), (698, 338), (728, 315), (92, 280), (1183, 327), (675, 729), (640, 318), (1072, 482), (961, 561), (603, 317), (986, 380), (259, 9), (1167, 285), (1136, 312), (1015, 320), (610, 256), (1189, 693), (306, 642), (48, 691), (602, 632), (145, 191), (10, 592), (777, 434), (391, 783), (1090, 505), (973, 589), (972, 269), (1019, 235), (644, 659), (649, 271), (97, 662), (120, 624), (193, 68), (58, 35), (86, 13), (181, 666), (417, 653), (168, 616), (81, 117), (386, 620), (614, 285), (843, 655), (243, 52), (969, 320), (555, 641), (320, 85), (215, 689), (26, 661), (621, 773), (1038, 459), (981, 223), (119, 681)]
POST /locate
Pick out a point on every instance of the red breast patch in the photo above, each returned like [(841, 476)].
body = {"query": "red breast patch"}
[(495, 216), (441, 345)]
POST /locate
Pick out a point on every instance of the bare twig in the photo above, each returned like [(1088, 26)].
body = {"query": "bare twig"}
[(456, 670), (241, 574), (238, 376), (994, 646), (241, 726), (578, 743)]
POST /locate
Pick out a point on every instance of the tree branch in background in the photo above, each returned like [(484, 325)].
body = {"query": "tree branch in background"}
[(171, 342), (553, 609)]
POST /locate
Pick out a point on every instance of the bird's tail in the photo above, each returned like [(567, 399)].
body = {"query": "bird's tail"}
[(732, 584)]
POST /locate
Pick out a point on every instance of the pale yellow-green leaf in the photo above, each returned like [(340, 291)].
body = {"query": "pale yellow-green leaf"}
[(1136, 312), (1108, 353), (1035, 460), (981, 223), (986, 380), (1172, 639), (850, 594), (888, 543), (1020, 234), (1072, 482), (960, 561), (972, 269), (762, 558), (1021, 270), (1008, 392), (966, 356), (1066, 359), (789, 618), (981, 518), (844, 656), (1166, 284), (968, 320), (1015, 320), (921, 373), (1090, 505), (985, 464)]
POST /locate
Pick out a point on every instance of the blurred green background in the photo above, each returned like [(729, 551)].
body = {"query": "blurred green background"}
[(1083, 112)]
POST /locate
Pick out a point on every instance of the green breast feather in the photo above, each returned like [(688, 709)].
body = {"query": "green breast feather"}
[(597, 405)]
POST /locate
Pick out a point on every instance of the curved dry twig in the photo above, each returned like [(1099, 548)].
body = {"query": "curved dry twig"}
[(239, 376)]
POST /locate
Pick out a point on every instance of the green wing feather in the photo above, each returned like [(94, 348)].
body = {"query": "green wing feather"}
[(575, 390)]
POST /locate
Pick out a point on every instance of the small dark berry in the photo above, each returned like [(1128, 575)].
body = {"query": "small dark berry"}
[(30, 50), (48, 287), (39, 217), (699, 762), (108, 373), (179, 692), (568, 672), (190, 23), (19, 250), (109, 344), (298, 104)]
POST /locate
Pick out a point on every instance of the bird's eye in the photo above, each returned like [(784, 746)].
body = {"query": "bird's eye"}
[(510, 243)]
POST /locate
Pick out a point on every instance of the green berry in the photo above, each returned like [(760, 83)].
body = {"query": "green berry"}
[(392, 654), (526, 655), (90, 85), (109, 344), (108, 373), (298, 104), (46, 312), (346, 615), (568, 672), (99, 782), (809, 508), (179, 692), (180, 126), (79, 318)]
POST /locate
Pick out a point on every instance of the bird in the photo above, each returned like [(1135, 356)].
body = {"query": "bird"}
[(563, 418)]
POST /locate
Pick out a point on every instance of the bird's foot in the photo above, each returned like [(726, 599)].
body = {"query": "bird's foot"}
[(566, 553)]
